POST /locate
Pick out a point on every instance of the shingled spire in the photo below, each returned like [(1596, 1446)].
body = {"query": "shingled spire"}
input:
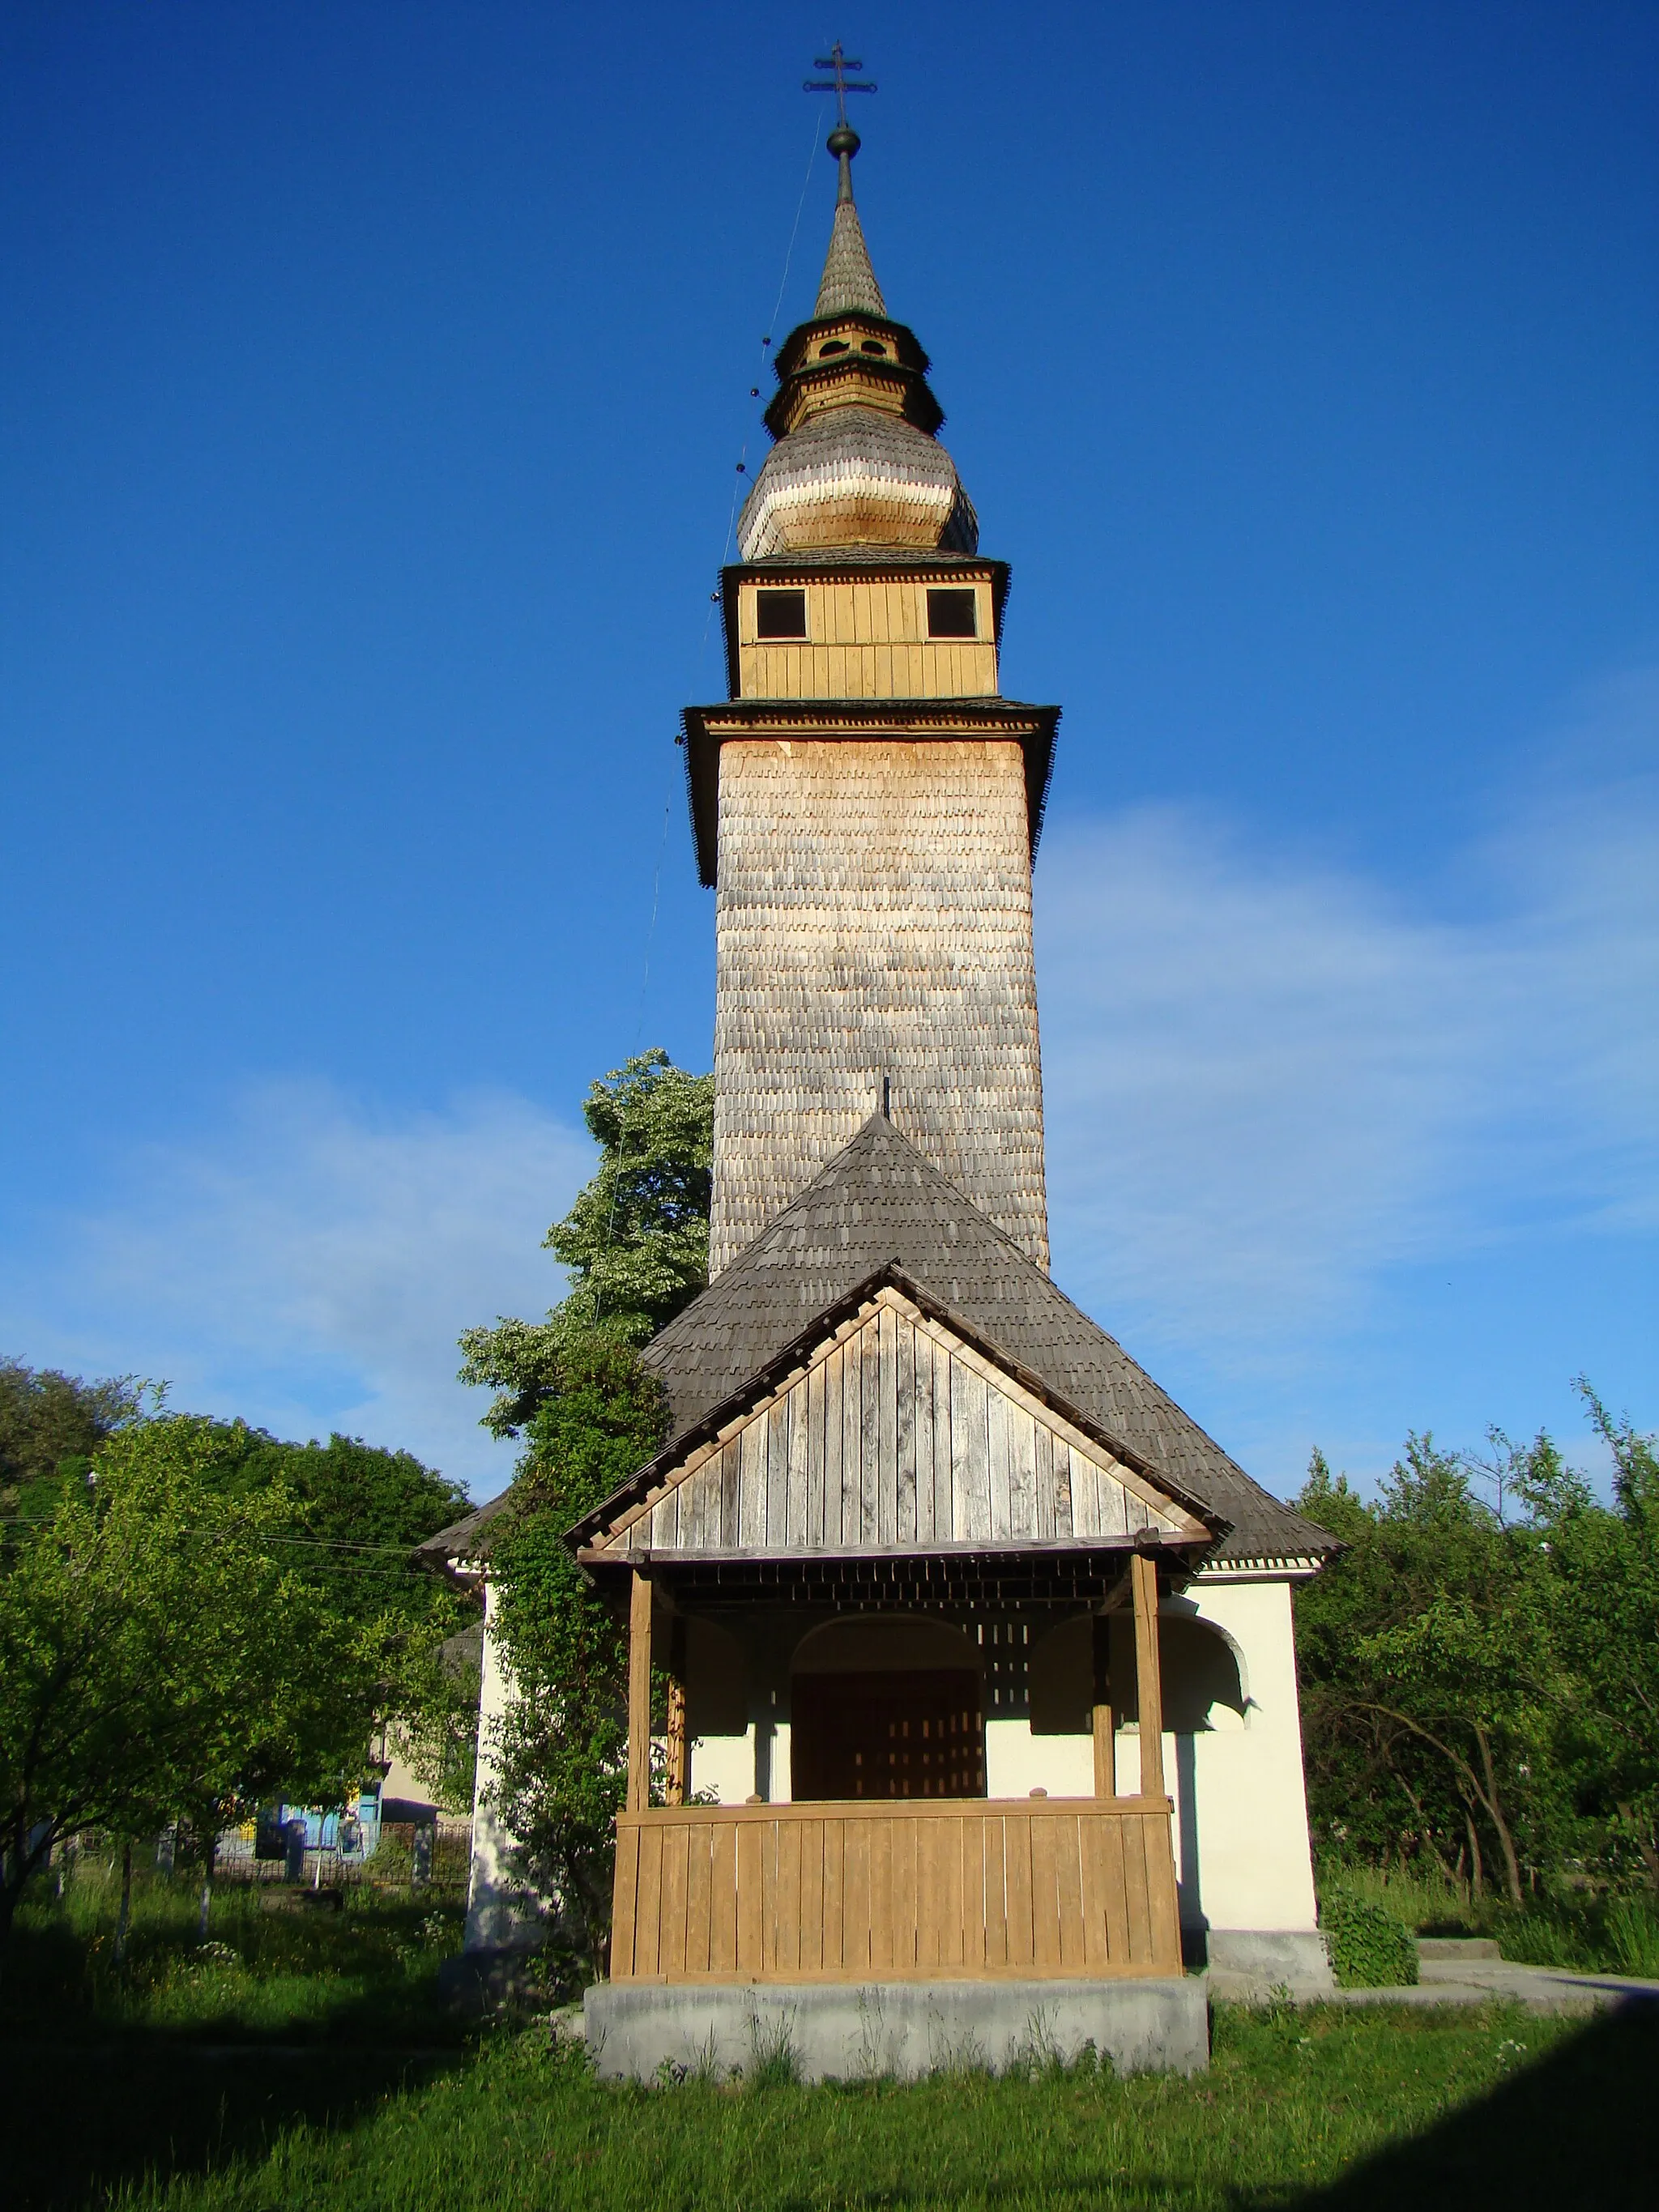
[(848, 285)]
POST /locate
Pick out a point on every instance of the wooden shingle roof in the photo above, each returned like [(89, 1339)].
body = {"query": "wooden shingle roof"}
[(879, 1204)]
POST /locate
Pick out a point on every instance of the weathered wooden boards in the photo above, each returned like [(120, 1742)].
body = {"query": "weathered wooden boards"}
[(895, 1435), (841, 1892), (874, 920)]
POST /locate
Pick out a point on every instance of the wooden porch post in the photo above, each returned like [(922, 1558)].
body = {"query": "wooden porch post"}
[(1143, 1580), (1105, 1739), (639, 1693)]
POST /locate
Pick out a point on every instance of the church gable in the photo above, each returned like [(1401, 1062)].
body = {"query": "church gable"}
[(894, 1434)]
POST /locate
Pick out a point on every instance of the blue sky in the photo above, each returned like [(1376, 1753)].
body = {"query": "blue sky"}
[(374, 379)]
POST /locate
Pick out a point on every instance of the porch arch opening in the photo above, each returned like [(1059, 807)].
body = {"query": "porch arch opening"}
[(885, 1707)]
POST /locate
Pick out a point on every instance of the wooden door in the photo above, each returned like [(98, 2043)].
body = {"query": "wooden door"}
[(918, 1733)]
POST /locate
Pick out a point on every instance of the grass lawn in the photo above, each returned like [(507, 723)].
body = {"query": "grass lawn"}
[(312, 2072), (277, 1964)]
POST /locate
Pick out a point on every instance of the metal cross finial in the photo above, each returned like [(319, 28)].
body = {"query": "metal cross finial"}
[(835, 59)]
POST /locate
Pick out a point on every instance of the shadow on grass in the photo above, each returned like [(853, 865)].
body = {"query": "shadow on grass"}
[(78, 2121), (94, 2094), (1575, 2129)]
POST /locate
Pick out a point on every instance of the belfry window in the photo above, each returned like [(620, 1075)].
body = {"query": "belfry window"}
[(781, 614), (952, 614)]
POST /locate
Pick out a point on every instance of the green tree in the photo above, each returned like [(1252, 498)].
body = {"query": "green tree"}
[(560, 1748), (635, 1242), (636, 1246), (1604, 1574), (159, 1654), (1481, 1674), (1434, 1686), (50, 1425), (360, 1509)]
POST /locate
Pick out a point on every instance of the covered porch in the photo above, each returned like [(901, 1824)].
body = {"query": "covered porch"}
[(921, 1875)]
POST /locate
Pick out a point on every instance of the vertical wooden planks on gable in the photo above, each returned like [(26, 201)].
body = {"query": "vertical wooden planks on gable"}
[(834, 1392), (852, 1441), (730, 1494), (1022, 1473), (905, 1337), (1114, 1507), (886, 1334), (1043, 1483), (945, 1529), (999, 1415), (1064, 1523), (800, 1406), (815, 1385), (921, 1355), (777, 1472), (752, 1486), (869, 1343), (971, 1490), (1086, 1495)]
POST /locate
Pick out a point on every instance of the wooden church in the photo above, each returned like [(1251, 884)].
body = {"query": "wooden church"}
[(984, 1702)]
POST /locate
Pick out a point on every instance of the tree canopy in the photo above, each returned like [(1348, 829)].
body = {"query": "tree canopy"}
[(162, 1654), (1481, 1667), (195, 1617), (50, 1423)]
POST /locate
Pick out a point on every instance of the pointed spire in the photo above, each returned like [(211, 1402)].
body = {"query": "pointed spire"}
[(849, 284)]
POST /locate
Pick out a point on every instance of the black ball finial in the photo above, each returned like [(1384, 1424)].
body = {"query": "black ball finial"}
[(844, 139)]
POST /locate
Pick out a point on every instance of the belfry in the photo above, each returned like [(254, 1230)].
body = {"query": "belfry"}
[(865, 803), (983, 1694)]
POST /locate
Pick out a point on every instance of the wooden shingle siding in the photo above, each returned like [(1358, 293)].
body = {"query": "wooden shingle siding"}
[(845, 1891), (874, 918), (896, 1435)]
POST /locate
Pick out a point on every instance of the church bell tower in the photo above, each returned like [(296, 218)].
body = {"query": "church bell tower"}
[(865, 802)]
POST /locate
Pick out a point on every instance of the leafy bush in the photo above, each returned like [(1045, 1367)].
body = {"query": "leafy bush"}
[(1369, 1948)]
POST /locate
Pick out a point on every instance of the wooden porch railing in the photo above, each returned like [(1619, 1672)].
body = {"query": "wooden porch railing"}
[(964, 1888)]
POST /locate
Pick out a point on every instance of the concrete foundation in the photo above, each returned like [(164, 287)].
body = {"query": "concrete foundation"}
[(1249, 1966), (897, 2030)]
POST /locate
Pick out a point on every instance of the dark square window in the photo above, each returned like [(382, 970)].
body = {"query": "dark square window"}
[(952, 614), (780, 614)]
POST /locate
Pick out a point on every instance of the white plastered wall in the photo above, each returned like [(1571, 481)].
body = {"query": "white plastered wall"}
[(1241, 1801), (494, 1912)]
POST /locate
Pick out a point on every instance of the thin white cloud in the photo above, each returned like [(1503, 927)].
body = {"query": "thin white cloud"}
[(311, 1264), (1267, 1081)]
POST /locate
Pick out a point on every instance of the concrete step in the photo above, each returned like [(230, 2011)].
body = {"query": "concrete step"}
[(1457, 1946)]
